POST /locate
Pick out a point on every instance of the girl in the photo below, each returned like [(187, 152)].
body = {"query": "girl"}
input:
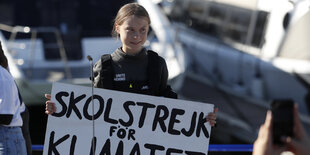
[(132, 68)]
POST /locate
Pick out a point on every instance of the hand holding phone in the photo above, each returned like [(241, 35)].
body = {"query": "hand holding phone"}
[(283, 121)]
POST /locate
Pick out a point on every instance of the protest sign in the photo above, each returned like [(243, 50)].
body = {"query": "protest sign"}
[(125, 123)]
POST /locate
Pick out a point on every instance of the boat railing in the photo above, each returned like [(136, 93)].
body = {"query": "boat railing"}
[(14, 30)]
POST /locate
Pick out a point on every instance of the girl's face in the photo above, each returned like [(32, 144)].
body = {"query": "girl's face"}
[(133, 33)]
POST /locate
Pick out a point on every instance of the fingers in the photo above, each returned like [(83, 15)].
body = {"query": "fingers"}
[(50, 107), (211, 118), (268, 119), (265, 129), (268, 124), (261, 144), (48, 96), (261, 132), (212, 122), (212, 115)]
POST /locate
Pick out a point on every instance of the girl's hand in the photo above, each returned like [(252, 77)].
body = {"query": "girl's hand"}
[(211, 118), (50, 107)]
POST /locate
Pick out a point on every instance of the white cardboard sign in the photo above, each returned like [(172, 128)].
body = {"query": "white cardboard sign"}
[(125, 123)]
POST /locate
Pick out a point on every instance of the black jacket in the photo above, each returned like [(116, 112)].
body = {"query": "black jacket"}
[(143, 73)]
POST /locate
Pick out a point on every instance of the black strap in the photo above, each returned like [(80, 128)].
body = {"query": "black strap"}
[(153, 74), (107, 72)]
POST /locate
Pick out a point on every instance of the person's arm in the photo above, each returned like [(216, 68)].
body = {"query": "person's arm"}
[(165, 89), (25, 130), (300, 144), (163, 72)]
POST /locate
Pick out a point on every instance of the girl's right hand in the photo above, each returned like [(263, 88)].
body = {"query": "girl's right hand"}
[(50, 107)]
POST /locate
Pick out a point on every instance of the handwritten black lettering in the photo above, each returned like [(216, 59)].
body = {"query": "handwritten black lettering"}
[(126, 107), (100, 110), (201, 126), (112, 130), (135, 150), (106, 149), (165, 119), (160, 119), (145, 106), (173, 150), (153, 148), (52, 145), (173, 120), (72, 105), (120, 148), (72, 146), (58, 97), (131, 134), (192, 126), (121, 132), (93, 146), (107, 113)]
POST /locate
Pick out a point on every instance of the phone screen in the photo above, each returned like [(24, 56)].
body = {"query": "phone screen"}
[(282, 112)]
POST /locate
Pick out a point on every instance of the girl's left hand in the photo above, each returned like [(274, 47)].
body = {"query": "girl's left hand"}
[(212, 117)]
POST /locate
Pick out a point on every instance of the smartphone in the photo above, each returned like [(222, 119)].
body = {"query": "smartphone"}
[(283, 121)]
